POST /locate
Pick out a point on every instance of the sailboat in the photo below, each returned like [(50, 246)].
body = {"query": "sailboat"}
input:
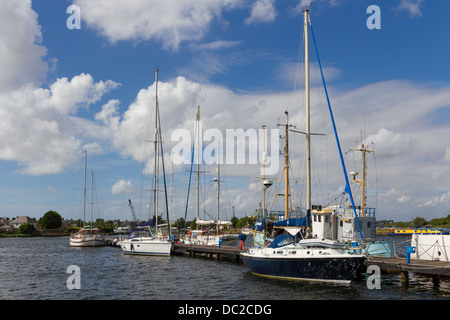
[(87, 236), (210, 237), (307, 259), (144, 240), (269, 222)]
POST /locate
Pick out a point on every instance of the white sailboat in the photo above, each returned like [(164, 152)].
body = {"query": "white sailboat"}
[(144, 240), (308, 259), (87, 236), (210, 237)]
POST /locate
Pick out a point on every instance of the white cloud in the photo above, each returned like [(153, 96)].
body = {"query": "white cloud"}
[(21, 54), (447, 155), (262, 11), (390, 144), (443, 199), (122, 187), (411, 6), (170, 21), (39, 130)]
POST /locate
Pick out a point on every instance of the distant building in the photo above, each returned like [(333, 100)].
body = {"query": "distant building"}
[(16, 223)]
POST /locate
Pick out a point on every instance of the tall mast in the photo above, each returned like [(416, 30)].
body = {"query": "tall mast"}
[(156, 169), (198, 163), (264, 172), (362, 182), (308, 128), (218, 185), (286, 170), (84, 196), (92, 198)]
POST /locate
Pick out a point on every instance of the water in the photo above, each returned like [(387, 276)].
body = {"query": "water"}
[(36, 269)]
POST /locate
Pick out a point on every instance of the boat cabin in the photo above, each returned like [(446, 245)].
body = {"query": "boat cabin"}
[(338, 223)]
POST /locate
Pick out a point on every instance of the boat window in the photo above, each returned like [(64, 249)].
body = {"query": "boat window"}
[(319, 219), (368, 224), (315, 218)]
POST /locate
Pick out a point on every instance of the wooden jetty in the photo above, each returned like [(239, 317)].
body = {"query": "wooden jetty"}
[(434, 269), (219, 253)]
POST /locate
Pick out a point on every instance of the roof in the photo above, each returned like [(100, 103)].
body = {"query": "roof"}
[(22, 220)]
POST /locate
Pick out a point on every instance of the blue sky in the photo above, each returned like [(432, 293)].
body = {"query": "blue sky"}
[(64, 91)]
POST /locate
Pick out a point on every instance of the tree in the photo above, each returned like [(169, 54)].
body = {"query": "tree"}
[(50, 220), (234, 221), (26, 228), (179, 224), (419, 222)]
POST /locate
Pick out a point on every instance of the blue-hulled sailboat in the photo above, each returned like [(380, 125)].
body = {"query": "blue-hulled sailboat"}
[(307, 259)]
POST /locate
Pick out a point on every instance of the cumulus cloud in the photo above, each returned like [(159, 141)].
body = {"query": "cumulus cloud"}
[(169, 21), (122, 187), (21, 51), (411, 6), (262, 11), (38, 128), (390, 144)]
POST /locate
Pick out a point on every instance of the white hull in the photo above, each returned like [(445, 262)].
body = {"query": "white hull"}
[(87, 237), (147, 246), (431, 247), (88, 242)]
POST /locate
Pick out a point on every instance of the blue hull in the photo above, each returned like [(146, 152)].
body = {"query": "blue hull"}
[(326, 269)]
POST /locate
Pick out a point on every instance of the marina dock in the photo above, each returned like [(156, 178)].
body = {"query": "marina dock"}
[(192, 250), (434, 269)]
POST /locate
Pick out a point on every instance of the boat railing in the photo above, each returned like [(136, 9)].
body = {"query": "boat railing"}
[(279, 215), (367, 212)]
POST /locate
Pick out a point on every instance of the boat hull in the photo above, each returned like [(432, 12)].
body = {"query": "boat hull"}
[(87, 242), (153, 247), (339, 269), (431, 247), (380, 249)]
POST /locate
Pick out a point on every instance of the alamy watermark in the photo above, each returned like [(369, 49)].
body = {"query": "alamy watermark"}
[(74, 21), (236, 146), (374, 21), (374, 280), (74, 280)]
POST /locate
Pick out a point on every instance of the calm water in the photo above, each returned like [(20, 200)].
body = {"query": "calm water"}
[(36, 268)]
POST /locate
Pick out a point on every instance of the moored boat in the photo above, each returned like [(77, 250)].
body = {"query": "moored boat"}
[(309, 259), (87, 237)]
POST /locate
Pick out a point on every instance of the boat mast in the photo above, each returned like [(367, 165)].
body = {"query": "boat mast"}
[(264, 173), (286, 170), (156, 167), (84, 196), (198, 163), (363, 181), (218, 185), (308, 126), (92, 198)]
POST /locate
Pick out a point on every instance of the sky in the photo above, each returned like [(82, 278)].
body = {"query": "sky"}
[(67, 88)]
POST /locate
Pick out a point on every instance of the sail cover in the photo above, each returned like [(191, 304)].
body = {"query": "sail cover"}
[(150, 223), (221, 223), (293, 222)]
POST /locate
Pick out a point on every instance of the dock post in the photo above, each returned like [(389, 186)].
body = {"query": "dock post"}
[(404, 278), (409, 250), (436, 280)]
